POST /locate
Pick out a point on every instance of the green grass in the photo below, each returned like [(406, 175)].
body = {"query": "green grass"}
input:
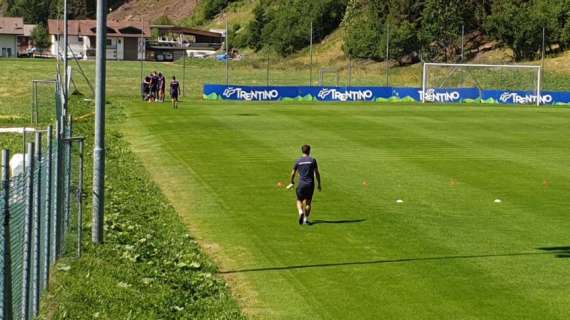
[(149, 267), (447, 252)]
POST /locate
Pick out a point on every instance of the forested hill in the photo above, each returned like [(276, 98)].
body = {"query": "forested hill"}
[(39, 11), (431, 28), (428, 28)]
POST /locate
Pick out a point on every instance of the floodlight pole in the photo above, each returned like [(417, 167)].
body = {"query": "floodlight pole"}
[(142, 52), (462, 42), (227, 50), (65, 60), (183, 73), (387, 53), (99, 148), (267, 71), (311, 56)]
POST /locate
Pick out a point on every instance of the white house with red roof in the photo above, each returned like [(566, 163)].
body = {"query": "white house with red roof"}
[(125, 39)]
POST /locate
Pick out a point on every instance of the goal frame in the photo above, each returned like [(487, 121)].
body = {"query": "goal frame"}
[(538, 68)]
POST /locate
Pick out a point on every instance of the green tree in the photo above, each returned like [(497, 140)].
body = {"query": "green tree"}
[(364, 26), (514, 23), (33, 11), (40, 38), (255, 28)]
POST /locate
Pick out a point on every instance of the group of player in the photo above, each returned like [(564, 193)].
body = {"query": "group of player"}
[(154, 87)]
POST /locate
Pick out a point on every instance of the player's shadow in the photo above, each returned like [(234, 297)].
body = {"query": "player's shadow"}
[(315, 222), (560, 252)]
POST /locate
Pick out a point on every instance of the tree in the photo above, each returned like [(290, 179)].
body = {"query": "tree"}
[(441, 26), (514, 23), (33, 11), (255, 28), (40, 38), (363, 25)]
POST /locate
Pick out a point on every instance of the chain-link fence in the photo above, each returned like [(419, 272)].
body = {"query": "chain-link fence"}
[(36, 214)]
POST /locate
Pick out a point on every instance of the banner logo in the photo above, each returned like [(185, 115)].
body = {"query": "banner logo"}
[(446, 96), (250, 95), (513, 97), (347, 95)]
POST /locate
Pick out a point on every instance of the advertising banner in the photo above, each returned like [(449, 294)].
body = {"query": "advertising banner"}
[(380, 94)]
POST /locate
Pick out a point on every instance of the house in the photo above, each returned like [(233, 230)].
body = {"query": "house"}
[(175, 41), (125, 39), (10, 30), (25, 43)]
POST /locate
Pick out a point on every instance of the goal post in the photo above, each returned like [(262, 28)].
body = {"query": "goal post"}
[(441, 77)]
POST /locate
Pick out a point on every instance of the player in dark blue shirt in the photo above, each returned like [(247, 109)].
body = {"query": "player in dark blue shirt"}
[(308, 171), (174, 92)]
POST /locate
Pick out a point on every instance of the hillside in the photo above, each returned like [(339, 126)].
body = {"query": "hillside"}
[(151, 10)]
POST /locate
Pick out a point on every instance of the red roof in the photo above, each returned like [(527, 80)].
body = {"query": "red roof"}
[(13, 26), (89, 28)]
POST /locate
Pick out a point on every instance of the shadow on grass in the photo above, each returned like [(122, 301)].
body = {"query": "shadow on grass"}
[(314, 222), (562, 252)]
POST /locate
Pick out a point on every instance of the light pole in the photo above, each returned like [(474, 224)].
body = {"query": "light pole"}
[(99, 148)]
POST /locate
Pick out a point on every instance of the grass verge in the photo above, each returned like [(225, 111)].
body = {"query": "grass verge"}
[(149, 266)]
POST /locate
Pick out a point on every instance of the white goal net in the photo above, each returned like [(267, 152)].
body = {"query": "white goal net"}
[(447, 82)]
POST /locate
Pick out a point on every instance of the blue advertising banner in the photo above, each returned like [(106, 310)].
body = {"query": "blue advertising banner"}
[(381, 94)]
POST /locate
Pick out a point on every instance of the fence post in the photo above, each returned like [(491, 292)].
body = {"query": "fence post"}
[(7, 267), (48, 208), (37, 225), (80, 199), (59, 223), (67, 173), (26, 283)]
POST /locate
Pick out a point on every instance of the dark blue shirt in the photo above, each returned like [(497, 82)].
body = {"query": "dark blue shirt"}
[(306, 167), (174, 87)]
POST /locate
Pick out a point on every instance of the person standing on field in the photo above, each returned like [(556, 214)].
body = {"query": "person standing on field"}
[(308, 171), (174, 92), (161, 86)]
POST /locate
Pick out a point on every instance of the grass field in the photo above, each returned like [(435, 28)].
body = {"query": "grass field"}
[(448, 252)]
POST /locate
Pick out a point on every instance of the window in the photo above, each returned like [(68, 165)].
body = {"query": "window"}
[(80, 39), (109, 42)]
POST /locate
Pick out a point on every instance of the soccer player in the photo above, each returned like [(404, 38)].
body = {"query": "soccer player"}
[(308, 170), (161, 86), (146, 88), (174, 92)]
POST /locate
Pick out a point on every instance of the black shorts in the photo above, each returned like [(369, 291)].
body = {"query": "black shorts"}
[(305, 191), (174, 95)]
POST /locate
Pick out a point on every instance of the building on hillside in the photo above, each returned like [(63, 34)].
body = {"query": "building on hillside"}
[(125, 39), (173, 42), (10, 30)]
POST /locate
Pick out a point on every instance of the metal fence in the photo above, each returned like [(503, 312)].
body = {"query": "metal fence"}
[(36, 211)]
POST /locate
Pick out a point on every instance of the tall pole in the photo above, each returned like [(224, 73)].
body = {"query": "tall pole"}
[(387, 53), (543, 51), (311, 56), (541, 71), (65, 52), (184, 74), (462, 42), (7, 311), (267, 71), (227, 51), (142, 51), (99, 148)]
